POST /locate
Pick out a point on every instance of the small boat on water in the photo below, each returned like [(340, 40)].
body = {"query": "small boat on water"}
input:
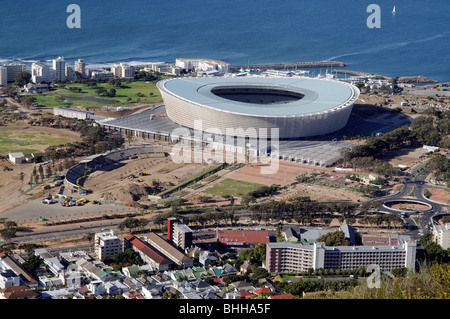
[(393, 10)]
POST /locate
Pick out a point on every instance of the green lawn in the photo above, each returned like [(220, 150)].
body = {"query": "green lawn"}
[(11, 142), (145, 91), (232, 187)]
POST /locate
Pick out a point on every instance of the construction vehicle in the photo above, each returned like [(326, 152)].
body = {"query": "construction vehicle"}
[(153, 115), (144, 173)]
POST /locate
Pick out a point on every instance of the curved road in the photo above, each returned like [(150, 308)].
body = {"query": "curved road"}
[(413, 189)]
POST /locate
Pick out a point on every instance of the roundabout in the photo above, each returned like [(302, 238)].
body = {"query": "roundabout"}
[(408, 205)]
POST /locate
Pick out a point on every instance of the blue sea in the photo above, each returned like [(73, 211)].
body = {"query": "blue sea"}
[(414, 41)]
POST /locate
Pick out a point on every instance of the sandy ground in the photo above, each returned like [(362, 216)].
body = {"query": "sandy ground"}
[(407, 156), (10, 183), (440, 195), (285, 176), (113, 185)]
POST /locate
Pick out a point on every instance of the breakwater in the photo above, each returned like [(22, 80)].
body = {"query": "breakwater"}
[(293, 65)]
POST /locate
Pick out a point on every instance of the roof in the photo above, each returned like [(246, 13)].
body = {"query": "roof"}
[(14, 266), (168, 248), (145, 249), (18, 292), (242, 236), (16, 155), (320, 95), (282, 296), (262, 291)]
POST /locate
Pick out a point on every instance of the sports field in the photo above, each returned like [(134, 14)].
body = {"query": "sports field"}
[(32, 139), (231, 187)]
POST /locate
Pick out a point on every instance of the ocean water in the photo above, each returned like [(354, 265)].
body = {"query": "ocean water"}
[(414, 41)]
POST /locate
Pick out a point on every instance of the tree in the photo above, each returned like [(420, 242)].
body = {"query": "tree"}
[(336, 238), (133, 223), (22, 78), (32, 263), (259, 252)]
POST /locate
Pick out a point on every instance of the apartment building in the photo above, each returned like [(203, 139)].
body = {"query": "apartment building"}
[(80, 66), (70, 74), (123, 70), (3, 76), (59, 68), (12, 69), (203, 65), (40, 72), (289, 257), (441, 235), (179, 234), (107, 244)]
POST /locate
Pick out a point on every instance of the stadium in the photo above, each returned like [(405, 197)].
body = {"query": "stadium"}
[(298, 107)]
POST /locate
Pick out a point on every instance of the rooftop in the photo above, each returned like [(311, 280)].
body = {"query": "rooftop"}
[(319, 95)]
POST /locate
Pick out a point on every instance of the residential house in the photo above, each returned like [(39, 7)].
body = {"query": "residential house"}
[(207, 257), (18, 292), (246, 268), (8, 278)]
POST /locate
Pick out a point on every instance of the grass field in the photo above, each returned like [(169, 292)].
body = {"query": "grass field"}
[(232, 187), (11, 142), (127, 94)]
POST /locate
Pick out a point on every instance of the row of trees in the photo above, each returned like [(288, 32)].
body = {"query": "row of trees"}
[(295, 209)]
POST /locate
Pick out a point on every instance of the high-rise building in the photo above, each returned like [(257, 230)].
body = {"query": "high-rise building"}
[(127, 70), (13, 69), (59, 69), (70, 74), (80, 67), (107, 244), (3, 76), (40, 72), (178, 234)]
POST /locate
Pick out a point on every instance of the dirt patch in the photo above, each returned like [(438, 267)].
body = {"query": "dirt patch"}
[(139, 178), (440, 195)]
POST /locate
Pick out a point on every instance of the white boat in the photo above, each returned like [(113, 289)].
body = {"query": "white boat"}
[(393, 10)]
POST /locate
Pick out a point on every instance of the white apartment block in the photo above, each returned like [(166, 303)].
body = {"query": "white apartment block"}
[(441, 235), (12, 69), (289, 257), (3, 76), (123, 70), (203, 65), (59, 69), (70, 74), (40, 72), (80, 66), (107, 244), (101, 74)]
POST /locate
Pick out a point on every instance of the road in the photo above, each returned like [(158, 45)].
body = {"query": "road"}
[(413, 188)]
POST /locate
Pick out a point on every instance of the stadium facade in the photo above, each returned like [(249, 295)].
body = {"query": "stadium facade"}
[(297, 107)]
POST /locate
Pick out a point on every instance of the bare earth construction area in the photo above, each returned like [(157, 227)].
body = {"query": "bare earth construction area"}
[(140, 178)]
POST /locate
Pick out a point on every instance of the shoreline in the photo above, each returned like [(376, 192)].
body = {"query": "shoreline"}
[(262, 66)]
